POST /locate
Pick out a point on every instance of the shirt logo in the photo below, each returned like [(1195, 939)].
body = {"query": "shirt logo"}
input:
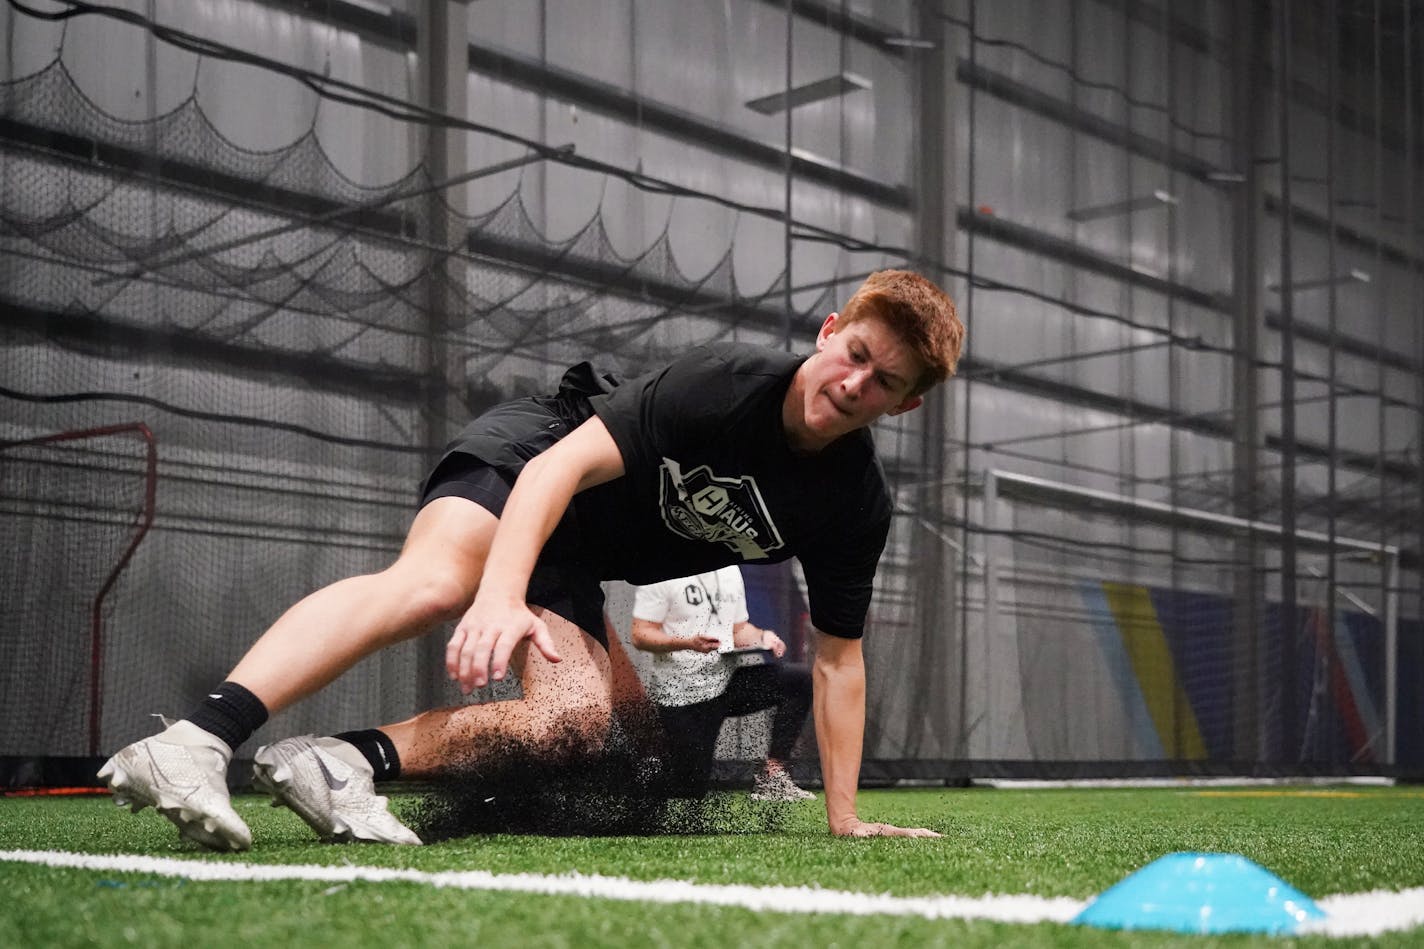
[(701, 506)]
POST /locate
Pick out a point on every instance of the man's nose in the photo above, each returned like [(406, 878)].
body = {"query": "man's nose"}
[(855, 381)]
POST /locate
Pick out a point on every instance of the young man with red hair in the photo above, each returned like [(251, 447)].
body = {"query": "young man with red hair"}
[(732, 453)]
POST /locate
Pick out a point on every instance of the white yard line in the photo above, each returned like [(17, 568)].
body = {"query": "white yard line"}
[(1368, 914), (1034, 784), (786, 899), (1349, 914)]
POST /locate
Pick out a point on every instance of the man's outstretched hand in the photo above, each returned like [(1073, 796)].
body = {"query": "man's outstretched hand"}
[(487, 636), (859, 828)]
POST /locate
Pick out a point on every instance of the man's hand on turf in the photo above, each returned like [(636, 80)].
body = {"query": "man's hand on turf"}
[(487, 636), (855, 827)]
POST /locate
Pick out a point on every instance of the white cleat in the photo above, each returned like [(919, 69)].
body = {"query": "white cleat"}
[(182, 773), (777, 787), (328, 783)]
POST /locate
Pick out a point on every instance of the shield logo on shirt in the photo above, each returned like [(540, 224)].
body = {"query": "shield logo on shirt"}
[(699, 505)]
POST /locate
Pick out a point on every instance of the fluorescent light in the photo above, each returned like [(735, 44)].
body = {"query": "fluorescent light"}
[(380, 8), (827, 88), (1356, 275), (1157, 198)]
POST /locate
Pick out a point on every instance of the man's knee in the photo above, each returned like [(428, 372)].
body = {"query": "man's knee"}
[(578, 726), (433, 593), (440, 566)]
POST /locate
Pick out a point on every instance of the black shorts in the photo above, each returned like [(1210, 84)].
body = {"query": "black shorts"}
[(481, 465)]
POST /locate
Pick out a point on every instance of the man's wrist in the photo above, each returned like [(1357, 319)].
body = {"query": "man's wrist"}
[(842, 823), (496, 594)]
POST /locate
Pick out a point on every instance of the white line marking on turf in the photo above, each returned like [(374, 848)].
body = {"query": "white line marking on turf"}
[(1368, 914), (1349, 914), (784, 899)]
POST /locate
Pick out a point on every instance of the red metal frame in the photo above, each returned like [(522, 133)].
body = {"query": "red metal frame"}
[(96, 628)]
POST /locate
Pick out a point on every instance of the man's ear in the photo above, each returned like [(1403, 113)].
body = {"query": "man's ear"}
[(827, 328), (910, 404)]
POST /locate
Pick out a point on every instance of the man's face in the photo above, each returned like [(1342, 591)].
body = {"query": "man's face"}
[(860, 371)]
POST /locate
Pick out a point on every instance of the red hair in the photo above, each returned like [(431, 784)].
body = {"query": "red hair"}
[(918, 312)]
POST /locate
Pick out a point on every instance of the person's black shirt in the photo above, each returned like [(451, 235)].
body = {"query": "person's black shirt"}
[(710, 480)]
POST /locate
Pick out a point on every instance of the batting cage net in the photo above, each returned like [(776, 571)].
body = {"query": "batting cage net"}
[(261, 259)]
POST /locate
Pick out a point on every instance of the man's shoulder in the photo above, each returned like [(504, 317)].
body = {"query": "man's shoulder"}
[(856, 451), (747, 359), (851, 468), (657, 590), (731, 578), (877, 483)]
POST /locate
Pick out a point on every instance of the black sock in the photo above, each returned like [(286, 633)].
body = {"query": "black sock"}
[(378, 749), (230, 712)]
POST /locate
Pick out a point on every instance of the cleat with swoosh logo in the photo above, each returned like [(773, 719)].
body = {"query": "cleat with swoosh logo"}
[(182, 773), (328, 783)]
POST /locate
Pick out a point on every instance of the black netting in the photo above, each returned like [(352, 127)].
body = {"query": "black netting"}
[(1182, 287), (301, 345), (76, 508)]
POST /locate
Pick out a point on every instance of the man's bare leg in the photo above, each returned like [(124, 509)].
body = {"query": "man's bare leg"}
[(432, 581), (181, 771), (566, 710), (566, 705)]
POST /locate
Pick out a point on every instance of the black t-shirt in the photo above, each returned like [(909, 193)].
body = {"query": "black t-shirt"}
[(711, 481)]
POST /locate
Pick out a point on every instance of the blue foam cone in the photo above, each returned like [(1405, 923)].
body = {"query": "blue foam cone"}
[(1202, 893)]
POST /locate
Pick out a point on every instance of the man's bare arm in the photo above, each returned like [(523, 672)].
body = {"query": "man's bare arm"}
[(499, 618), (749, 634), (838, 675), (649, 636)]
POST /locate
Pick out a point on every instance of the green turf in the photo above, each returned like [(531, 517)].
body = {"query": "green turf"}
[(1050, 843)]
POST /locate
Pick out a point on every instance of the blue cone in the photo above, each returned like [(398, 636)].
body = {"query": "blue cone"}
[(1202, 893)]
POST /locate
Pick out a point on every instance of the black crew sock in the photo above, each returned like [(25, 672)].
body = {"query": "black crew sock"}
[(230, 712), (378, 749)]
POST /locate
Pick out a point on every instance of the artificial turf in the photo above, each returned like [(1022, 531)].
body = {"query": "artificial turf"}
[(1072, 843)]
